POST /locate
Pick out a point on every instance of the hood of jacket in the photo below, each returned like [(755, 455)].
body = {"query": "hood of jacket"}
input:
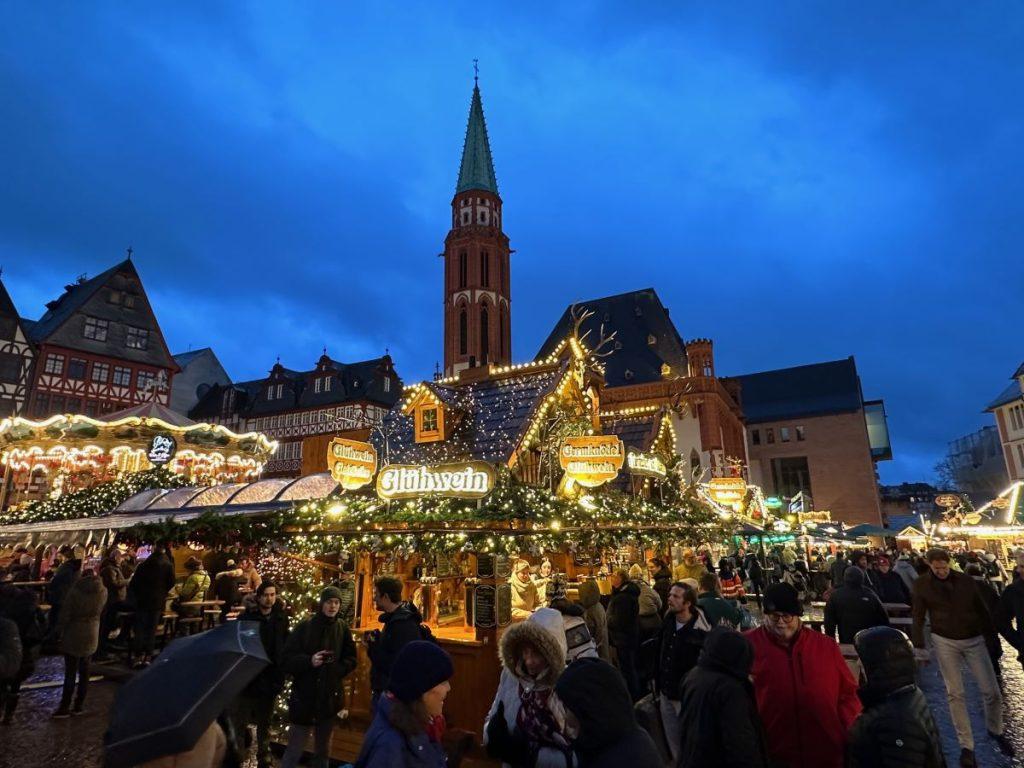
[(888, 661), (566, 607), (726, 650), (404, 612), (590, 594), (853, 577), (90, 586), (629, 587), (594, 691), (545, 631)]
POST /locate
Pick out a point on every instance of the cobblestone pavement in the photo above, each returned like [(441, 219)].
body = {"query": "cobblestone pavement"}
[(33, 740), (1013, 695)]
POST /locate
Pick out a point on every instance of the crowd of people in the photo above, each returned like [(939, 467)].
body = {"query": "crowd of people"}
[(672, 668)]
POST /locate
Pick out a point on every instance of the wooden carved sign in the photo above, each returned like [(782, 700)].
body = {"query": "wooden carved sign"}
[(592, 460), (727, 490), (352, 463), (948, 500), (646, 465)]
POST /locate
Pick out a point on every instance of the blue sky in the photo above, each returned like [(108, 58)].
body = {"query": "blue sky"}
[(799, 183)]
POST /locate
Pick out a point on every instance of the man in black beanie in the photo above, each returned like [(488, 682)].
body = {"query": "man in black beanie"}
[(408, 724), (319, 654)]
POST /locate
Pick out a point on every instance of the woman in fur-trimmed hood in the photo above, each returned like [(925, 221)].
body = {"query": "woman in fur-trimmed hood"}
[(526, 723)]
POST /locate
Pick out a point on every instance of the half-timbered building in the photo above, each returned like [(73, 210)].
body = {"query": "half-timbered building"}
[(16, 356)]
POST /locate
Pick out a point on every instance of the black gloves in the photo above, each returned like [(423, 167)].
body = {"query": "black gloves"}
[(511, 748)]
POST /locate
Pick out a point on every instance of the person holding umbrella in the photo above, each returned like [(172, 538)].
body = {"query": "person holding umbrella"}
[(319, 655)]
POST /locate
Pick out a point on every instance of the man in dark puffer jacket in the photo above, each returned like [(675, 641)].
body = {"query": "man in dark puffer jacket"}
[(853, 607), (896, 729)]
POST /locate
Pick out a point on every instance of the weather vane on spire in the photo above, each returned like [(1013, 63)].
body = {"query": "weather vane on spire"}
[(476, 72)]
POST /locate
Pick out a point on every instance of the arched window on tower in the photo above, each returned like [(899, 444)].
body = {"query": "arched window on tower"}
[(485, 340), (463, 332), (485, 269), (501, 333), (463, 268)]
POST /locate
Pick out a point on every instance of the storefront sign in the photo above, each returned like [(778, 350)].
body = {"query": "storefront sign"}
[(161, 450), (463, 480), (727, 490), (591, 461), (947, 500), (646, 465), (484, 608), (352, 462), (817, 516), (1001, 502)]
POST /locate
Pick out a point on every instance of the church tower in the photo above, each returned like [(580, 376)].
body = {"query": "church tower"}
[(477, 313)]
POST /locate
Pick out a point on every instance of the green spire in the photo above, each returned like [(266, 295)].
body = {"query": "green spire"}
[(477, 170)]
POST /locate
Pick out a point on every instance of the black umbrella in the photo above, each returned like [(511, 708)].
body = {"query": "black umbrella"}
[(165, 709)]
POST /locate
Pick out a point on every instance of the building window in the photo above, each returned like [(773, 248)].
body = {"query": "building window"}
[(95, 328), (463, 332), (42, 405), (114, 297), (76, 369), (485, 335), (769, 435), (463, 264), (485, 269), (755, 437), (429, 420), (100, 372), (129, 301), (137, 338), (800, 435), (90, 408), (54, 364), (270, 392), (387, 383), (501, 333), (280, 391), (316, 384), (784, 434), (1020, 454), (144, 379), (327, 383), (122, 376), (791, 476)]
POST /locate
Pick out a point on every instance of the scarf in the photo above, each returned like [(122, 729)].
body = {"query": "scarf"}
[(537, 722)]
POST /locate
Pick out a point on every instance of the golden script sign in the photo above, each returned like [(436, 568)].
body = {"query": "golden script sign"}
[(593, 460), (461, 480), (646, 465), (948, 500), (351, 462), (727, 490)]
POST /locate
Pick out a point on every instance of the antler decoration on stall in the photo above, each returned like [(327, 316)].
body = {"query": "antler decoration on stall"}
[(581, 314)]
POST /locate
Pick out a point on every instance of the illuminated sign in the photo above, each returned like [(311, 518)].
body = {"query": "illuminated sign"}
[(161, 450), (593, 460), (817, 516), (773, 502), (352, 463), (947, 500), (646, 465), (462, 480), (1001, 502), (727, 490)]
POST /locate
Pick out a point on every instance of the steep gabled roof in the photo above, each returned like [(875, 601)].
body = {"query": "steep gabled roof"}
[(74, 298), (492, 418), (477, 168), (805, 390), (1011, 394), (637, 318), (184, 358)]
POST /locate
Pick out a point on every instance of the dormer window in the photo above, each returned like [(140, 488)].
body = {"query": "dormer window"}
[(666, 370), (327, 383), (429, 422), (651, 340)]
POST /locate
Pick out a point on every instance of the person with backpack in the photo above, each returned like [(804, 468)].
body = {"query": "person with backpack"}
[(853, 607), (402, 624), (319, 655), (20, 606), (595, 616), (578, 642)]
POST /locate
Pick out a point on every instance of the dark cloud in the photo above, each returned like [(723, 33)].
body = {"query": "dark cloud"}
[(799, 183)]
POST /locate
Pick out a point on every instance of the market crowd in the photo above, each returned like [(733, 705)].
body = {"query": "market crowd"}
[(697, 664)]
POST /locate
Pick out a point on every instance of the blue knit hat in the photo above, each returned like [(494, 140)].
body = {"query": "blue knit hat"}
[(419, 666)]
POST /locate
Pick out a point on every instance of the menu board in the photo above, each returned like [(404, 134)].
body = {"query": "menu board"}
[(484, 612), (503, 596), (502, 566), (485, 566), (443, 565)]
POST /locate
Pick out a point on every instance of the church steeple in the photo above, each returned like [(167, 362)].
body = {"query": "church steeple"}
[(477, 319), (477, 169)]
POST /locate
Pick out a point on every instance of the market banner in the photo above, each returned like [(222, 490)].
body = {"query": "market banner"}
[(461, 480), (352, 463), (592, 460)]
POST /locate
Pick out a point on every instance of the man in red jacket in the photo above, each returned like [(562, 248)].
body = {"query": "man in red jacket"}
[(806, 695)]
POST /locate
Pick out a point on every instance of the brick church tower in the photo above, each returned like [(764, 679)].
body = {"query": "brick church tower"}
[(477, 312)]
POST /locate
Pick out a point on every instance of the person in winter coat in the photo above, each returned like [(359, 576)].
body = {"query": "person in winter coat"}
[(650, 604), (117, 591), (65, 575), (401, 626), (595, 616), (226, 587), (718, 721), (853, 607), (756, 574), (838, 569), (904, 568), (524, 591), (194, 588), (960, 622), (888, 584), (1011, 613), (79, 625), (661, 578), (896, 729), (318, 655), (690, 568), (806, 695), (730, 583), (147, 591), (679, 646), (251, 578), (716, 609), (578, 642), (624, 629), (10, 650), (408, 723), (256, 702), (21, 606), (601, 719), (991, 599), (525, 726)]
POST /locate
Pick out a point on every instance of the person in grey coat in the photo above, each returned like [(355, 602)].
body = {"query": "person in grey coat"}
[(79, 624), (595, 616)]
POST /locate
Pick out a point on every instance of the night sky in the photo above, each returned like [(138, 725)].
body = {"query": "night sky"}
[(799, 184)]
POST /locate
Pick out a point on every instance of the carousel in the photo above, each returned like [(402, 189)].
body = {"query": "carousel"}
[(72, 452)]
